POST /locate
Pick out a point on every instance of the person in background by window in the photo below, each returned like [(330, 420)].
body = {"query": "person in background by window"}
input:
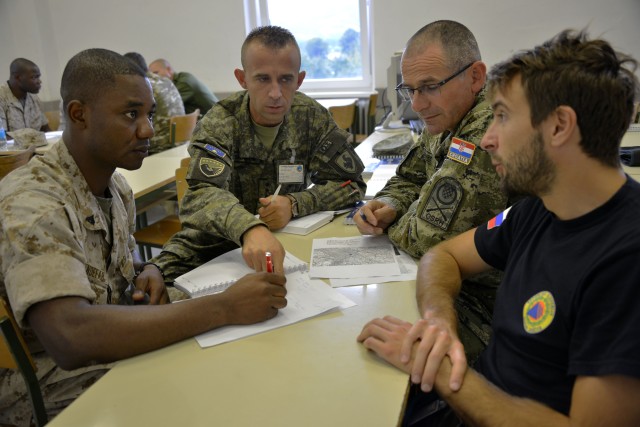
[(194, 93), (20, 107), (68, 260), (168, 103), (265, 137), (446, 184), (565, 345)]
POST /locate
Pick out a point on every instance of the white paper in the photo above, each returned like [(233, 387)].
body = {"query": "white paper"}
[(408, 271), (305, 298), (378, 180), (350, 257)]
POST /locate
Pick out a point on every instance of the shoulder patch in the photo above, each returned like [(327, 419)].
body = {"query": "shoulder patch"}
[(215, 150), (346, 162), (443, 202), (461, 151), (210, 167), (497, 220)]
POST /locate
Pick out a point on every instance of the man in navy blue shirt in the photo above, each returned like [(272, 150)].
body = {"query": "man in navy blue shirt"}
[(566, 346)]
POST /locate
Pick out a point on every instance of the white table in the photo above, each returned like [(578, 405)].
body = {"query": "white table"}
[(310, 374), (336, 102)]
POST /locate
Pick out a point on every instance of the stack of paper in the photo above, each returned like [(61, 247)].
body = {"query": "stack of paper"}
[(349, 261), (306, 298)]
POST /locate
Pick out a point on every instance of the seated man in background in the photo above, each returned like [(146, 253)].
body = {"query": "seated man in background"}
[(194, 93), (68, 263), (438, 192), (250, 144), (20, 107), (565, 344), (168, 104)]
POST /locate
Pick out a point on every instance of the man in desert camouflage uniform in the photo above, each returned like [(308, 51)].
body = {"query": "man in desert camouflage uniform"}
[(247, 145), (446, 184), (168, 104), (20, 107), (68, 263)]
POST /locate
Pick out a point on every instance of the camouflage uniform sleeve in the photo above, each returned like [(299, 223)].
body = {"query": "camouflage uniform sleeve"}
[(38, 241), (336, 171), (455, 197), (404, 188), (168, 104), (208, 205)]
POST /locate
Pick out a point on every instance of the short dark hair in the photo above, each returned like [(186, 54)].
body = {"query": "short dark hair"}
[(138, 59), (271, 36), (587, 75), (458, 42), (20, 65), (91, 71)]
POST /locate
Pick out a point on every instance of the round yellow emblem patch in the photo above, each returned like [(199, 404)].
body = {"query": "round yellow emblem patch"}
[(538, 312)]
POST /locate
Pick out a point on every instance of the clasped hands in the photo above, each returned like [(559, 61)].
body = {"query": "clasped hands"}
[(417, 349)]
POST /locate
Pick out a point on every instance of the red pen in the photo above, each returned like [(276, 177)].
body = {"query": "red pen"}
[(269, 262), (344, 184)]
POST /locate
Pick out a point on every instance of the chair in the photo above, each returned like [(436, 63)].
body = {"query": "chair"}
[(158, 233), (53, 117), (9, 162), (181, 127), (345, 116), (371, 118), (14, 354)]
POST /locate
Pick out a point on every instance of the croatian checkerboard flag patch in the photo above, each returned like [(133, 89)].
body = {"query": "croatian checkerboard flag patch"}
[(461, 151), (497, 220)]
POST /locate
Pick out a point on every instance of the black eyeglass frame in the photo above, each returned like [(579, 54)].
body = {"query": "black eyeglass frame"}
[(407, 93)]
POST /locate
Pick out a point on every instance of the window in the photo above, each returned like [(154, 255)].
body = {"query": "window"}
[(334, 41)]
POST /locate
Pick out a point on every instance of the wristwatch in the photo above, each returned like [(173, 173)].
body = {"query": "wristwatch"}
[(294, 206)]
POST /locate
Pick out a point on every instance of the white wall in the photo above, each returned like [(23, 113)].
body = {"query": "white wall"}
[(204, 36)]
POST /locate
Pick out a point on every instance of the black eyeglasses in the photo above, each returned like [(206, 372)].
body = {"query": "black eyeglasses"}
[(433, 89)]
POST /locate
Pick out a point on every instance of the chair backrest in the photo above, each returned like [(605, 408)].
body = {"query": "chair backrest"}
[(181, 127), (9, 162), (373, 105), (53, 117), (14, 354), (344, 115)]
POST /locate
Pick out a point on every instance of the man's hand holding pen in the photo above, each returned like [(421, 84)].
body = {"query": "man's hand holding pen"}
[(374, 217), (275, 210)]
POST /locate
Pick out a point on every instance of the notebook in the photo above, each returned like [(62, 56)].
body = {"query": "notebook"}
[(223, 271), (306, 224)]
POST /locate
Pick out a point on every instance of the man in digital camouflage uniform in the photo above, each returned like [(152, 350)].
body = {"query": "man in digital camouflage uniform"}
[(446, 184), (68, 261), (20, 107), (168, 104), (245, 147)]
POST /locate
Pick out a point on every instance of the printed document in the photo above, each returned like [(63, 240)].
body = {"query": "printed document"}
[(350, 257)]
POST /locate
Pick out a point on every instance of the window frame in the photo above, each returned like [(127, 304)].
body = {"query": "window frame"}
[(256, 14)]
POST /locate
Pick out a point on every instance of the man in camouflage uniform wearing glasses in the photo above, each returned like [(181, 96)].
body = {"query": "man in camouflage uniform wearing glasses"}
[(247, 146), (446, 184)]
